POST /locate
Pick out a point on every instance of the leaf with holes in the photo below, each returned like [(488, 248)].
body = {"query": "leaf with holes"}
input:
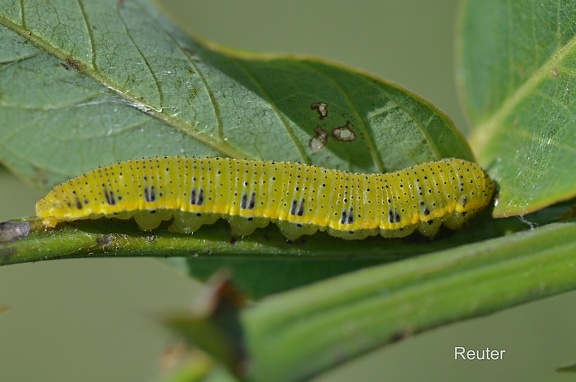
[(86, 84), (91, 83)]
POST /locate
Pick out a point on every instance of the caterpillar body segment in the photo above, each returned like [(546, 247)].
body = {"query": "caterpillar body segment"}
[(300, 199)]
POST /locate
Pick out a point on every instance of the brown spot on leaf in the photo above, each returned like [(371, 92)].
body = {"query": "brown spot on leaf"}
[(344, 133), (318, 142), (321, 108), (73, 63)]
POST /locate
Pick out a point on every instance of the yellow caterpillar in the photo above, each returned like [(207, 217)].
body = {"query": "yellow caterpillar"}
[(300, 199)]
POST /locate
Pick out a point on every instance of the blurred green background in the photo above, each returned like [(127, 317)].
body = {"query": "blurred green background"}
[(96, 320)]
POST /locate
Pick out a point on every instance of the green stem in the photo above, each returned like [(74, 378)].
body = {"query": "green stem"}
[(303, 332)]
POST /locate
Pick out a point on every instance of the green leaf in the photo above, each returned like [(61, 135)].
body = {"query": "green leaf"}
[(516, 69), (112, 80), (90, 83)]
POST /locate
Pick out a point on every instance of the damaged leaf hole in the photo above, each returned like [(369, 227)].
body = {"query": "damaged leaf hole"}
[(319, 141), (344, 133), (341, 133), (321, 108)]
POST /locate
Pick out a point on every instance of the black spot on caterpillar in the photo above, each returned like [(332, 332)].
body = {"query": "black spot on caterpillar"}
[(300, 199)]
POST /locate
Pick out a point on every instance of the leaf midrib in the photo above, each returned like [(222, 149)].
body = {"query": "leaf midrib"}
[(221, 146)]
